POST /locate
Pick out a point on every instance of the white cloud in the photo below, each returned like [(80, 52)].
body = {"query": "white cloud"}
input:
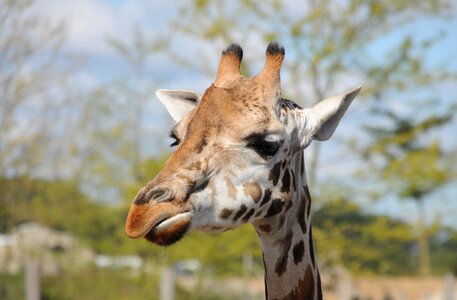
[(88, 25), (88, 22)]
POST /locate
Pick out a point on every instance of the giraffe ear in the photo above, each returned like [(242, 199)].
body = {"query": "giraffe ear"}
[(178, 102), (328, 113)]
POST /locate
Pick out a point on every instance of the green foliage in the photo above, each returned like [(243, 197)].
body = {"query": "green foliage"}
[(444, 256), (146, 171), (95, 284), (60, 205), (100, 284), (47, 202), (402, 155), (418, 172), (221, 253), (413, 167), (11, 287), (90, 283), (344, 234), (31, 76), (404, 134), (361, 242)]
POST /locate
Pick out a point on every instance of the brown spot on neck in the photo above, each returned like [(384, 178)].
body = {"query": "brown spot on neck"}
[(311, 247), (258, 213), (304, 289), (253, 190), (275, 173), (308, 198), (298, 252), (248, 215), (281, 263), (301, 213), (225, 213), (242, 210), (266, 197), (319, 286), (275, 208), (294, 183), (285, 188), (264, 228)]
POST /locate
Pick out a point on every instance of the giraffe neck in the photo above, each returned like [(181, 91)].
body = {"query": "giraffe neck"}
[(291, 270)]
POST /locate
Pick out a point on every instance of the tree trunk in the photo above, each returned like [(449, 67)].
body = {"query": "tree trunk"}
[(422, 239)]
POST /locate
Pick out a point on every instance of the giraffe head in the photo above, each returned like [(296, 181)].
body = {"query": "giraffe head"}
[(232, 147)]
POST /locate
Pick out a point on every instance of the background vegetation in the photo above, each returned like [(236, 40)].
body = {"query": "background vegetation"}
[(73, 158)]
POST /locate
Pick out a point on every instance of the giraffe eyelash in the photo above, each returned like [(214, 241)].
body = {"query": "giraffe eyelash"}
[(177, 140), (266, 149)]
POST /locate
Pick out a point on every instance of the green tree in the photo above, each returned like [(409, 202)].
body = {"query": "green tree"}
[(33, 88), (412, 166), (61, 205), (361, 242), (443, 254)]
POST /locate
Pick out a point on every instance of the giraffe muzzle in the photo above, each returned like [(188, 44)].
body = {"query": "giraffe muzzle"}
[(162, 223)]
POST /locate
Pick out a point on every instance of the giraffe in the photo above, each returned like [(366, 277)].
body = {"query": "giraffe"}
[(239, 159)]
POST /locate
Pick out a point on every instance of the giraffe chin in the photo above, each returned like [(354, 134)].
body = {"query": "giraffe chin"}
[(170, 230)]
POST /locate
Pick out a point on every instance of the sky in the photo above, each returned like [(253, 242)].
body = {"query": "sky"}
[(89, 24)]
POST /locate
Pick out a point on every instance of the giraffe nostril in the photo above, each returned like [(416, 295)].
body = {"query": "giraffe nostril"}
[(160, 194)]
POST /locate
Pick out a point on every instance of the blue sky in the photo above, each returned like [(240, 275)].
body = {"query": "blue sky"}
[(90, 22)]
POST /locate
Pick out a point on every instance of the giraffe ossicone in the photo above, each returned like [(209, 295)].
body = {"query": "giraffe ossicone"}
[(239, 159)]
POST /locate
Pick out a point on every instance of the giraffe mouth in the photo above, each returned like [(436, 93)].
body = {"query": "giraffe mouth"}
[(161, 223), (170, 230)]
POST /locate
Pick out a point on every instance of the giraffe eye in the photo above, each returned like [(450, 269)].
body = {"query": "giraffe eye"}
[(264, 148)]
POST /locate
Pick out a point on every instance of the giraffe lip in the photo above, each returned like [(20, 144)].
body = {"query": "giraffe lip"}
[(170, 230), (162, 224), (142, 219)]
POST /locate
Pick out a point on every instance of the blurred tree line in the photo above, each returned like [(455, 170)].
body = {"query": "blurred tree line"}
[(73, 160), (345, 234), (33, 90)]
